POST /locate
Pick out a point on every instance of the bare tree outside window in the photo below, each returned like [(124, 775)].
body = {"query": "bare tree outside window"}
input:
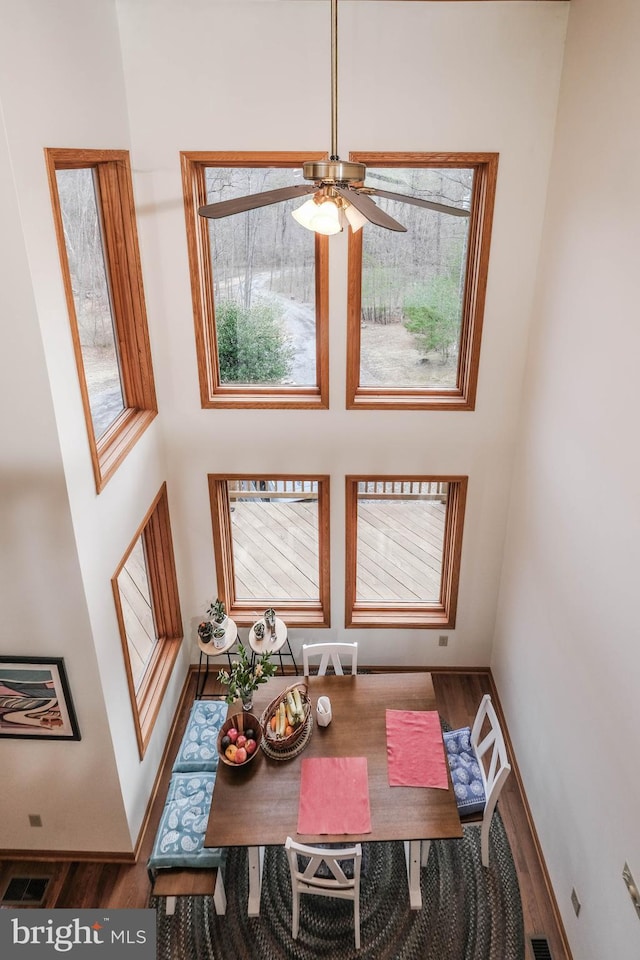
[(413, 282), (416, 299), (263, 269), (79, 206)]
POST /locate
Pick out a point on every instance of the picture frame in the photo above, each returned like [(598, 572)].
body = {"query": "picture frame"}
[(35, 699)]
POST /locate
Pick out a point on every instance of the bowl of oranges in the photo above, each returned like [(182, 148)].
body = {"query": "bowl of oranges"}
[(239, 739)]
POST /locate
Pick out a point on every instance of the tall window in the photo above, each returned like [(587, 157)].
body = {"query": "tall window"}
[(417, 298), (259, 284), (92, 199), (271, 541), (404, 538), (145, 590)]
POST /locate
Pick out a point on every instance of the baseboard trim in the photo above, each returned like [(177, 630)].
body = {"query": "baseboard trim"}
[(68, 856)]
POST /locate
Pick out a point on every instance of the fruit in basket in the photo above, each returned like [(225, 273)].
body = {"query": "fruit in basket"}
[(233, 734), (230, 752), (224, 743), (250, 746), (241, 740), (250, 734), (241, 755)]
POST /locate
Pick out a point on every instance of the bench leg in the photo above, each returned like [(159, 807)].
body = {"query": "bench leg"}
[(219, 895), (170, 906)]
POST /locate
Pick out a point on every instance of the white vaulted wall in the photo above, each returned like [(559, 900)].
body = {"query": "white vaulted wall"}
[(61, 85), (254, 75), (567, 656), (552, 615)]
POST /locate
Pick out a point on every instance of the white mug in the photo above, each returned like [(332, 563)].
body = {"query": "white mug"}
[(323, 711)]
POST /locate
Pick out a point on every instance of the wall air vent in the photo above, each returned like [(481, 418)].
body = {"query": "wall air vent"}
[(540, 948), (25, 891)]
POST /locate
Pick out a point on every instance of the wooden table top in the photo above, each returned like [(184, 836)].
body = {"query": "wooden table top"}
[(257, 804)]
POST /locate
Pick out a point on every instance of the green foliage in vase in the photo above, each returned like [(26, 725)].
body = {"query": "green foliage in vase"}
[(252, 345), (241, 679)]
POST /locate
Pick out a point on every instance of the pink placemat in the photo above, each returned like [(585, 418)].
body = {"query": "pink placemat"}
[(415, 751), (334, 795)]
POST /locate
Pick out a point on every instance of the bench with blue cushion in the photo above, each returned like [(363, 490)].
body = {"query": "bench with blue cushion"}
[(198, 749), (180, 864)]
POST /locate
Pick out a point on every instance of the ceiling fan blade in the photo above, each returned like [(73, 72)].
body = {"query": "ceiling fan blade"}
[(431, 204), (225, 208), (369, 209)]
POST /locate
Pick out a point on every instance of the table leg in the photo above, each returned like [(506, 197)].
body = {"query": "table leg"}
[(256, 862), (412, 853)]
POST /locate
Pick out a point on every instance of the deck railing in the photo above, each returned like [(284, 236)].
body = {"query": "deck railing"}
[(403, 490), (367, 489), (273, 489)]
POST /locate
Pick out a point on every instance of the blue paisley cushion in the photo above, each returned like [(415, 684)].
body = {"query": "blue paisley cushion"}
[(198, 750), (465, 771), (197, 786), (180, 837)]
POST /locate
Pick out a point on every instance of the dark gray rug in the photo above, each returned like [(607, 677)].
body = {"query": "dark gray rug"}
[(468, 913)]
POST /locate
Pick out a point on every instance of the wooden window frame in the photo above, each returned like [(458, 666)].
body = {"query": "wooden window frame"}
[(155, 530), (463, 395), (212, 392), (427, 615), (124, 276), (296, 613)]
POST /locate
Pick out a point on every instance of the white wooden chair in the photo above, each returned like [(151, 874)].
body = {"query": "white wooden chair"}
[(305, 863), (479, 767), (334, 652)]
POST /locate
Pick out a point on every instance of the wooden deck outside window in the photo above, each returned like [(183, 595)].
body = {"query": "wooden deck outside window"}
[(93, 208), (259, 285), (145, 591), (403, 546), (271, 543)]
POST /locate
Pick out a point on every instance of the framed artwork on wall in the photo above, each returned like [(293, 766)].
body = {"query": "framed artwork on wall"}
[(35, 699)]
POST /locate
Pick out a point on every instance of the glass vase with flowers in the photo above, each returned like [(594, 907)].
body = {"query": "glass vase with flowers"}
[(243, 677)]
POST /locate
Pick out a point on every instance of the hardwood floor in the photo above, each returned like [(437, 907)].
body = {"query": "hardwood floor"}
[(113, 885)]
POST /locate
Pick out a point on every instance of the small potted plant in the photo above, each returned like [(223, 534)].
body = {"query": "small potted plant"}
[(218, 613), (205, 631), (242, 679)]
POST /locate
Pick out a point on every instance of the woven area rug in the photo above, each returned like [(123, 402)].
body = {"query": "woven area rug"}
[(468, 913)]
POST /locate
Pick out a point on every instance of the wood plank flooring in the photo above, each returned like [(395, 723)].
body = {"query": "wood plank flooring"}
[(112, 885)]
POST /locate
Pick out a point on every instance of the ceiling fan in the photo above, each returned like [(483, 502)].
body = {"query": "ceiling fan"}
[(337, 186)]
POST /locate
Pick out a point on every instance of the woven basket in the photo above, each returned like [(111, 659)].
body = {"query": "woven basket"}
[(285, 743)]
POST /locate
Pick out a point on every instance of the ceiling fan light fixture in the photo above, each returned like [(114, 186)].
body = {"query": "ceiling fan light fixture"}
[(356, 219), (321, 217)]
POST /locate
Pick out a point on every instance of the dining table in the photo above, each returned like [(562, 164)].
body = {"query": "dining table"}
[(256, 804)]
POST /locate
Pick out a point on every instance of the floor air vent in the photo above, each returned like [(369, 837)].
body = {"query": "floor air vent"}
[(540, 948), (25, 891)]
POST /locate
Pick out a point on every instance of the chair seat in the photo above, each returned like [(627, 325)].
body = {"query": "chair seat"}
[(465, 772)]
